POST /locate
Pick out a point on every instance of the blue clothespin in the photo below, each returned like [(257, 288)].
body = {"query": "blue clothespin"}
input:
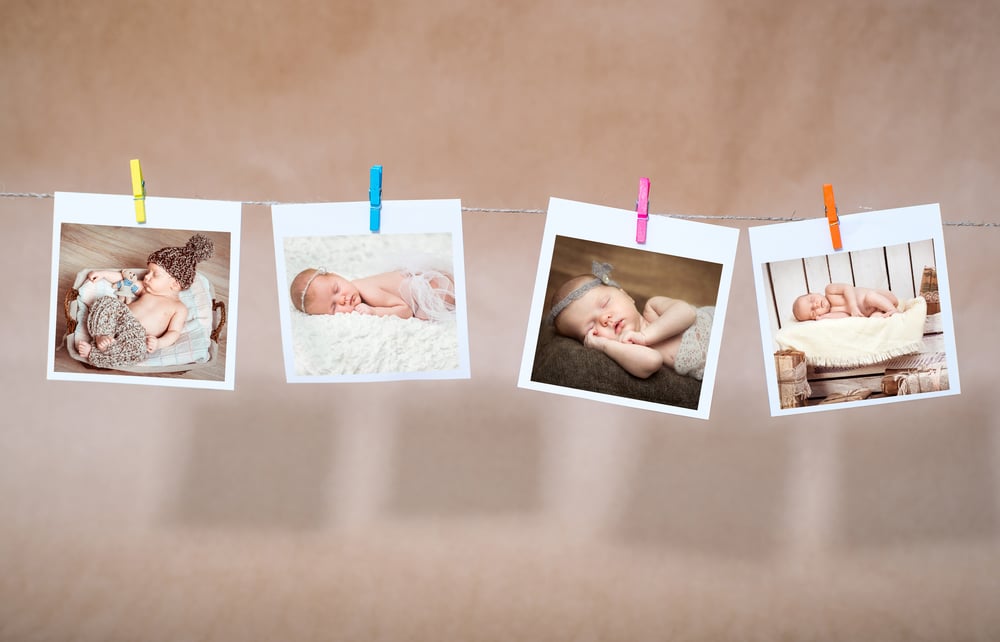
[(375, 197)]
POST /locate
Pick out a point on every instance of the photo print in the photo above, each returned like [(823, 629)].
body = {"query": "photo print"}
[(623, 323), (357, 305), (868, 324), (152, 303)]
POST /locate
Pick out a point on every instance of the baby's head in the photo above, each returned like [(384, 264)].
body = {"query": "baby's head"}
[(593, 304), (158, 281), (316, 291), (178, 263), (810, 307)]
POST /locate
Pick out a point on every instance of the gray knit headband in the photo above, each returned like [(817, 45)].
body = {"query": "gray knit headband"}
[(602, 276)]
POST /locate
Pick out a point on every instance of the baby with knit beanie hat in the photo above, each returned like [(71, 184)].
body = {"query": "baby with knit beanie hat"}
[(179, 262), (124, 333)]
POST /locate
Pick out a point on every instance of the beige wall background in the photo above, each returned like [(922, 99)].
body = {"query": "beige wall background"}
[(473, 510)]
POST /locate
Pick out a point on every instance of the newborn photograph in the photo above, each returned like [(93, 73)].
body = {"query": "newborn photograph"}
[(369, 304), (143, 304), (628, 323), (881, 315), (566, 354), (867, 325)]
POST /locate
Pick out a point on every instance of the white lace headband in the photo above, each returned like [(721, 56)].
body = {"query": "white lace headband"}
[(602, 276), (302, 299)]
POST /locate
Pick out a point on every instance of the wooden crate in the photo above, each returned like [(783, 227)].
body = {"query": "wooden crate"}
[(793, 387)]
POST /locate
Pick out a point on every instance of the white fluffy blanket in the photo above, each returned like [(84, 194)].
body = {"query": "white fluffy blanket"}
[(346, 344), (857, 341)]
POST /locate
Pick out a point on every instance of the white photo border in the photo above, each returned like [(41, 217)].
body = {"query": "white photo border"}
[(353, 219), (161, 213), (867, 230), (612, 226)]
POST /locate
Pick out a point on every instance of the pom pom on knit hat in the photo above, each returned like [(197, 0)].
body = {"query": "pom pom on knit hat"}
[(180, 262)]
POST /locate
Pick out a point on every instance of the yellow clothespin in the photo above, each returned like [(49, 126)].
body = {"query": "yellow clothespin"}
[(138, 191)]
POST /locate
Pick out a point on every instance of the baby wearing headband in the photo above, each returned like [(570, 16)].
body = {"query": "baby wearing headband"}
[(423, 294), (596, 311)]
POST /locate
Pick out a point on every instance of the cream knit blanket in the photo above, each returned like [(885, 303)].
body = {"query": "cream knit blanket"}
[(857, 341)]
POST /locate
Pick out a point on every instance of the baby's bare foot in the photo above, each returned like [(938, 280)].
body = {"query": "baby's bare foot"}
[(83, 348)]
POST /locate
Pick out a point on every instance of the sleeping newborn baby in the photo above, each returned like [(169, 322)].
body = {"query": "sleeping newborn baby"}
[(422, 294), (597, 312), (123, 333), (842, 300)]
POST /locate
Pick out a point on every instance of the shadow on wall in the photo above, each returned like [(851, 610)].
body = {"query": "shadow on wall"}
[(716, 493), (449, 462), (924, 478), (303, 461), (264, 464)]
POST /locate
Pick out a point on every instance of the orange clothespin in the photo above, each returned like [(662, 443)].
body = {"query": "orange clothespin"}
[(138, 191), (831, 215), (642, 211)]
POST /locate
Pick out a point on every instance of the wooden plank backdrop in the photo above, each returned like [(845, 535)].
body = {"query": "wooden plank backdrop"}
[(472, 510), (896, 268)]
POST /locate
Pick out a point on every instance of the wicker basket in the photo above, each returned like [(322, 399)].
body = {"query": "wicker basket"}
[(70, 309)]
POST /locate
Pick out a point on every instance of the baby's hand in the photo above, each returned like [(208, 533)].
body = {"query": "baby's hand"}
[(103, 341), (594, 341), (364, 308), (633, 336), (151, 343)]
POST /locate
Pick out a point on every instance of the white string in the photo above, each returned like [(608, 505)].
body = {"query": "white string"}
[(504, 210)]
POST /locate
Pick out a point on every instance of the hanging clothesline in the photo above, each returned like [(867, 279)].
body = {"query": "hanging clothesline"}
[(501, 210)]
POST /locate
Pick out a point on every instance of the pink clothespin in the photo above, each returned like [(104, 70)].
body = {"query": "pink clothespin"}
[(642, 211)]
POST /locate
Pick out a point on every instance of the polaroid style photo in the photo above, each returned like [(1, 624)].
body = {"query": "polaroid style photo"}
[(152, 303), (867, 324), (620, 322), (357, 305)]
